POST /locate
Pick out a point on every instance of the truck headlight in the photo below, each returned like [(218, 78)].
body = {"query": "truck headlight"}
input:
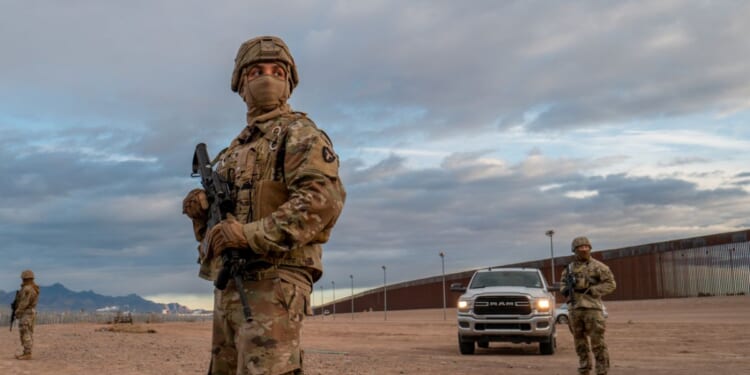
[(542, 304), (463, 306)]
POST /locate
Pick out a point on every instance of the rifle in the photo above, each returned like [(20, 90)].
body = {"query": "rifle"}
[(232, 266), (218, 193), (217, 190), (570, 284), (13, 307)]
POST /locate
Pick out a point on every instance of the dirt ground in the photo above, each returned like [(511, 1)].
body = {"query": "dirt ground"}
[(677, 336)]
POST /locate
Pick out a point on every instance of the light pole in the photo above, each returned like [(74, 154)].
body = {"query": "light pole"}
[(352, 278), (442, 260), (333, 288), (385, 298), (551, 233), (731, 268)]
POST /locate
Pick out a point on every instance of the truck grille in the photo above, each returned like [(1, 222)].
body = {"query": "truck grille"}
[(502, 305), (503, 326)]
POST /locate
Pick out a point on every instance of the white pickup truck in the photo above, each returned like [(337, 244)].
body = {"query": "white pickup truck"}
[(506, 305)]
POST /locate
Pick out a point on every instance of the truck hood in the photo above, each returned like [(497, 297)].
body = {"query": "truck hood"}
[(508, 290)]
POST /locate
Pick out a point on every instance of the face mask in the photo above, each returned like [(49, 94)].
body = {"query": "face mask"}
[(265, 93), (583, 255)]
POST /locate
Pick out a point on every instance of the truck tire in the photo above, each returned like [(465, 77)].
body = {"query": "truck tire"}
[(548, 348), (562, 319), (465, 347)]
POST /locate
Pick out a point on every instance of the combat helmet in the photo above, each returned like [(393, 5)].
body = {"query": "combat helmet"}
[(578, 241), (264, 48), (27, 274)]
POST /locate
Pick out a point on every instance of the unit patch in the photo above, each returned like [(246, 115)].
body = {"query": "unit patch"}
[(328, 155)]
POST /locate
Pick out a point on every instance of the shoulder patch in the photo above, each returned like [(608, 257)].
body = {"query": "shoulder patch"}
[(328, 155), (310, 150)]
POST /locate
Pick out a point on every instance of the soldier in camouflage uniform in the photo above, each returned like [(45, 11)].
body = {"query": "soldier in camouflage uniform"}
[(593, 279), (288, 195), (26, 300)]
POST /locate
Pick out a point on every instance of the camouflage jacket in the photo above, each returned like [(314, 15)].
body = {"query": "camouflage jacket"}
[(593, 280), (27, 298), (286, 188)]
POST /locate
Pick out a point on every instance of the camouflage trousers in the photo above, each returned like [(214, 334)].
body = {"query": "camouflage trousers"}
[(588, 324), (26, 330), (270, 344)]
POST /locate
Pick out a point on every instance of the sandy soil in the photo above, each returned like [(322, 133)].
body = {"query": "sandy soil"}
[(679, 336)]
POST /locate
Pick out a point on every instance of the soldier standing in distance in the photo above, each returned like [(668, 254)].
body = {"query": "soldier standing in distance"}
[(288, 195), (26, 301), (593, 279)]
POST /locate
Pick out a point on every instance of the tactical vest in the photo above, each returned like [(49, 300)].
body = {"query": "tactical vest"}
[(587, 274), (254, 166), (30, 297)]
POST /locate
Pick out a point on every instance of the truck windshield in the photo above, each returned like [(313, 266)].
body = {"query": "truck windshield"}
[(506, 278)]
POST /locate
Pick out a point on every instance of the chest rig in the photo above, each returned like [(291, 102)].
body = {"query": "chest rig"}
[(580, 272), (586, 275), (254, 166)]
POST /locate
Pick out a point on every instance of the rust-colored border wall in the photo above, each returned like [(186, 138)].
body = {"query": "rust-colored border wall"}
[(716, 264)]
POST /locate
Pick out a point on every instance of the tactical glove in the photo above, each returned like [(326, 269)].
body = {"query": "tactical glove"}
[(227, 234), (195, 206)]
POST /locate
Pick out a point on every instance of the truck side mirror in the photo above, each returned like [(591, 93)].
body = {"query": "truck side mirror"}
[(457, 287)]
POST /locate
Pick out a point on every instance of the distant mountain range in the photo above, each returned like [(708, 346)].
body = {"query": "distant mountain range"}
[(57, 297)]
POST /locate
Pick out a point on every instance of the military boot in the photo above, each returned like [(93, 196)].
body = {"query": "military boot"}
[(602, 365), (24, 356), (584, 367)]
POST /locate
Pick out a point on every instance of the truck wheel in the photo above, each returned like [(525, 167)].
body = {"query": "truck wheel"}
[(562, 319), (466, 347), (547, 348)]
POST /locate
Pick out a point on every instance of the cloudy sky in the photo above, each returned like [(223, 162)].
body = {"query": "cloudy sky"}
[(464, 128)]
